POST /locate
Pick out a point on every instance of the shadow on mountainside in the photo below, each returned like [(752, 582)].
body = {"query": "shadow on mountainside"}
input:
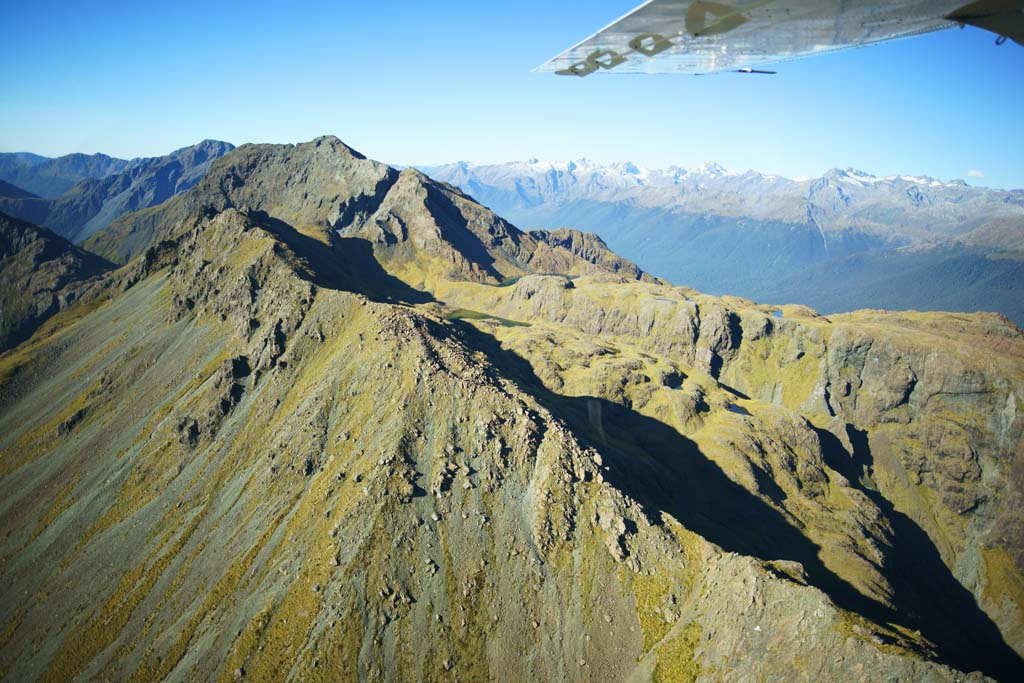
[(925, 589), (458, 233), (346, 263), (41, 274), (666, 472)]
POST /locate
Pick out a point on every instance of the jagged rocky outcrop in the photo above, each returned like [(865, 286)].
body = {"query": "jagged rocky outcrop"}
[(314, 184), (303, 434), (94, 203), (591, 248), (420, 219)]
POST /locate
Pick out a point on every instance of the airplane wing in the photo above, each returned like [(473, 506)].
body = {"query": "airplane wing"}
[(698, 36)]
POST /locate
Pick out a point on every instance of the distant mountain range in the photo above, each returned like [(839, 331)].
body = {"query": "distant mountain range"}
[(77, 194), (842, 241), (50, 178)]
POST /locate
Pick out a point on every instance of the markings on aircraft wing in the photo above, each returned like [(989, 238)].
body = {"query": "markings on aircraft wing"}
[(651, 44), (697, 15), (609, 59), (729, 18)]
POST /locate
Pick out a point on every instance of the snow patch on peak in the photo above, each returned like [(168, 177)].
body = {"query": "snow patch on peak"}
[(851, 175), (861, 176), (923, 181), (712, 168), (629, 167)]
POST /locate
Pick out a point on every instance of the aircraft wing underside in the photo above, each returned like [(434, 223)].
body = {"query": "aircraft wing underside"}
[(694, 36)]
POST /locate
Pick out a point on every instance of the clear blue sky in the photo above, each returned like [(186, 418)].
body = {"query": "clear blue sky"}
[(429, 82)]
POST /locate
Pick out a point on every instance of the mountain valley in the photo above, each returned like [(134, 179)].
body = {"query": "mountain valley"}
[(843, 241)]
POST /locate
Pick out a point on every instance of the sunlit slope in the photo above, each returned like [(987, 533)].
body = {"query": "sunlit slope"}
[(891, 441), (346, 488), (349, 425), (431, 228)]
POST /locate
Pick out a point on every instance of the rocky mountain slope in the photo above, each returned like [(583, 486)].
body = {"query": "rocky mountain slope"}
[(15, 201), (40, 274), (95, 201), (424, 228), (8, 191), (834, 242), (331, 421)]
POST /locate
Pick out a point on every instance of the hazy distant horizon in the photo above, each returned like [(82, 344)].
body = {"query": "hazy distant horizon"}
[(972, 181)]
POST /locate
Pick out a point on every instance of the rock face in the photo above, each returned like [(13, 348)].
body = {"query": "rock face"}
[(40, 274), (316, 184), (591, 248), (94, 203), (316, 431)]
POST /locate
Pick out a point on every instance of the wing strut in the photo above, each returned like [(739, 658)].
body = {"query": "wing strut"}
[(1002, 17)]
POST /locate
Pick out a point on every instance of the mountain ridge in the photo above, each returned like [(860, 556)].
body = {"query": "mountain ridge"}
[(94, 201), (51, 177), (41, 274), (332, 421), (406, 217)]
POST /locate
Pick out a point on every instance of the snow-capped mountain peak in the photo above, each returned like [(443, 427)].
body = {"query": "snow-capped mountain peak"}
[(713, 169), (710, 187)]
